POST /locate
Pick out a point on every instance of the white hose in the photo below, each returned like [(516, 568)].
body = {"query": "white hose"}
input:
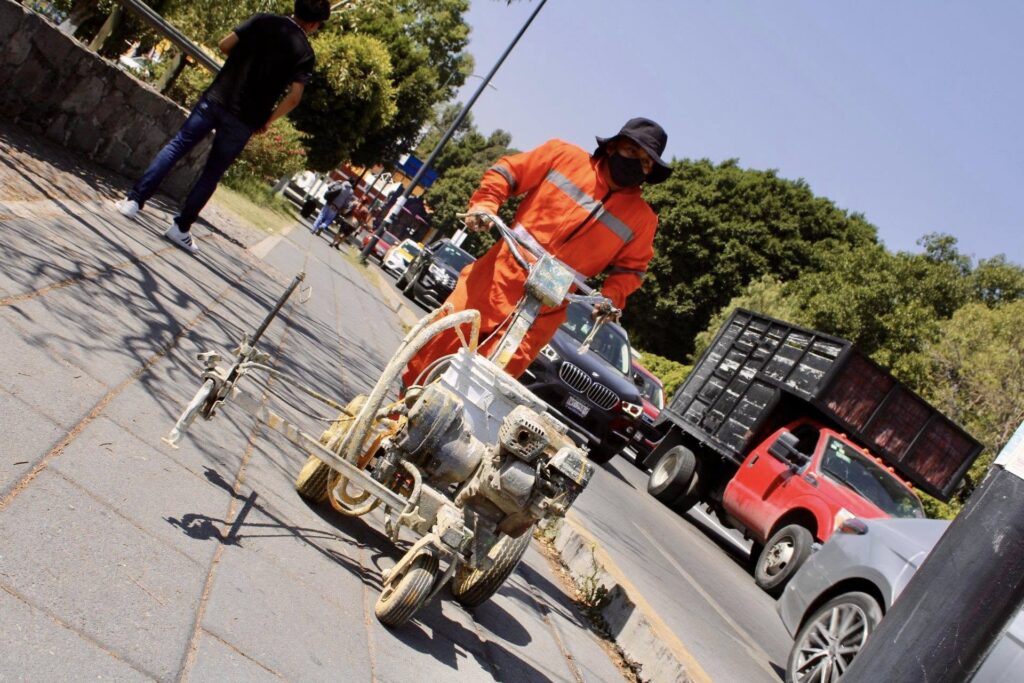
[(421, 334)]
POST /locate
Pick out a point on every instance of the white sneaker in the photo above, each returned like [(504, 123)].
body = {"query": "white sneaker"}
[(128, 207), (182, 239)]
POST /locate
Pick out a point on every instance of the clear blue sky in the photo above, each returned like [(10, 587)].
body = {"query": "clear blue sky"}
[(909, 112)]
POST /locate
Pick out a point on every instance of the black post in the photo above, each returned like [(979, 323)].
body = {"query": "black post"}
[(964, 595), (397, 207)]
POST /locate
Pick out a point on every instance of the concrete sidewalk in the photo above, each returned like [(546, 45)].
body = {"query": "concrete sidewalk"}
[(122, 558)]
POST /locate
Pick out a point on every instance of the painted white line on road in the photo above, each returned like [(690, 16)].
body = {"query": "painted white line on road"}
[(758, 655)]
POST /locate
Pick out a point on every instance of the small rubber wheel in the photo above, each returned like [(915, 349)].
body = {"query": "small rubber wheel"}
[(783, 554), (311, 483), (406, 593), (828, 641), (672, 475), (473, 587)]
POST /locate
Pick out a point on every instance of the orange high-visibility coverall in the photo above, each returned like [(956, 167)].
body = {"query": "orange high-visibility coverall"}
[(572, 212)]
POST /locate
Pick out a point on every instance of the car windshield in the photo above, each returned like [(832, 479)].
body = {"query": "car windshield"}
[(855, 471), (411, 247), (651, 390), (609, 343), (453, 256), (389, 239)]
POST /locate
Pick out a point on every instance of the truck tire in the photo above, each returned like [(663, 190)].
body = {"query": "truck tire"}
[(688, 498), (473, 587), (782, 555), (406, 594), (672, 475)]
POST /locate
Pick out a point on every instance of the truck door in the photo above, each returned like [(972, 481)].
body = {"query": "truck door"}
[(763, 487)]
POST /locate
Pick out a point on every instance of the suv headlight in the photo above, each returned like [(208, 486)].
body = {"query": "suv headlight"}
[(548, 352), (632, 409), (438, 272)]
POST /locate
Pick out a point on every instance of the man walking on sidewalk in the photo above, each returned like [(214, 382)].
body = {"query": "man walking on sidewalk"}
[(266, 55), (338, 198)]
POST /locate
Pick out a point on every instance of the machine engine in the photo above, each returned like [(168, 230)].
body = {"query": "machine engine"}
[(532, 471)]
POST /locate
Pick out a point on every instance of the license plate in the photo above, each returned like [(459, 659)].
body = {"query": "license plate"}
[(577, 406)]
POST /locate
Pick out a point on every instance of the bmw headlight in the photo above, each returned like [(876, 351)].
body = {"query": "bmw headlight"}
[(549, 353), (438, 272)]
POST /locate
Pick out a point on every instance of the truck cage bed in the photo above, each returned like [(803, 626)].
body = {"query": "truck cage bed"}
[(756, 360)]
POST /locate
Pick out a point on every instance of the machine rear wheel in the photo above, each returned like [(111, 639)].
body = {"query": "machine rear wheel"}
[(311, 483), (473, 587), (406, 593)]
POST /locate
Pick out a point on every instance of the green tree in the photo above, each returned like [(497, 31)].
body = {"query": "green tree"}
[(974, 373), (720, 227)]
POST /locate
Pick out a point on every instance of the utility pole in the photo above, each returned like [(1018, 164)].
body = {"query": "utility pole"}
[(965, 594), (397, 207)]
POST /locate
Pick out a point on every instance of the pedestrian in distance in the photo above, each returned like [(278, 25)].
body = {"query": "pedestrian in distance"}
[(268, 56), (585, 209), (337, 200)]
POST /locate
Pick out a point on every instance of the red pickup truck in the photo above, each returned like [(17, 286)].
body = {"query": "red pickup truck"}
[(786, 433)]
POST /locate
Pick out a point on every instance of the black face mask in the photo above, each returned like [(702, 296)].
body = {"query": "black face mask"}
[(626, 171)]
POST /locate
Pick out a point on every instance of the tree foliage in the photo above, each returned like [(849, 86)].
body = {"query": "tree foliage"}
[(720, 227)]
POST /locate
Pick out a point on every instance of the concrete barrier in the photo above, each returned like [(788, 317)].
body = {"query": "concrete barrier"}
[(52, 85), (629, 620)]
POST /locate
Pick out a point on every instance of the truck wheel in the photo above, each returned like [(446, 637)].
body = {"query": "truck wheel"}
[(782, 555), (311, 483), (406, 594), (473, 587), (672, 474), (830, 639), (688, 498)]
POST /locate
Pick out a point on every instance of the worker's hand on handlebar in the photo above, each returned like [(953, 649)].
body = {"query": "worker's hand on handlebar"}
[(475, 220), (605, 310)]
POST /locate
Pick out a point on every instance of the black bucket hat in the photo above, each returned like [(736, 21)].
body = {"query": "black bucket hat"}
[(651, 137)]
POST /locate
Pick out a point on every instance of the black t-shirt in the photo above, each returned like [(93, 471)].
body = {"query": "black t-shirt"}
[(271, 54)]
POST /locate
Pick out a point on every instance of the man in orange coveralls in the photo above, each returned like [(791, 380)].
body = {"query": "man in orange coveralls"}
[(586, 210)]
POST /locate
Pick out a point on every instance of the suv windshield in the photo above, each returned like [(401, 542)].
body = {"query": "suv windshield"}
[(609, 343), (453, 256), (411, 247), (850, 468)]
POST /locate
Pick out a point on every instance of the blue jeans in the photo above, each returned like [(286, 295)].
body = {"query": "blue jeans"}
[(228, 142), (326, 217)]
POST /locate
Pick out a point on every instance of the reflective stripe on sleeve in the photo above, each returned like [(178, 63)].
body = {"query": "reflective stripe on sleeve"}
[(590, 204), (506, 174)]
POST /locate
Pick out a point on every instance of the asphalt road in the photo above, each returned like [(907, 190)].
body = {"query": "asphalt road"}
[(690, 568)]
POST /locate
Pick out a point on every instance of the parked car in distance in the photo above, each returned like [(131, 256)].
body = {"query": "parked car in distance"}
[(397, 259), (652, 391), (836, 599), (590, 391), (431, 277), (386, 241)]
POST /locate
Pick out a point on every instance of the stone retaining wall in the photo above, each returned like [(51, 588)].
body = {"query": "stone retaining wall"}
[(50, 84)]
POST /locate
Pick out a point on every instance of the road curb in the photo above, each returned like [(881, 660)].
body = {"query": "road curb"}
[(630, 620)]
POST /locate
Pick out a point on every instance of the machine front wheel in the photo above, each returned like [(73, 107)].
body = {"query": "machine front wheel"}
[(311, 482), (473, 587), (406, 593)]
